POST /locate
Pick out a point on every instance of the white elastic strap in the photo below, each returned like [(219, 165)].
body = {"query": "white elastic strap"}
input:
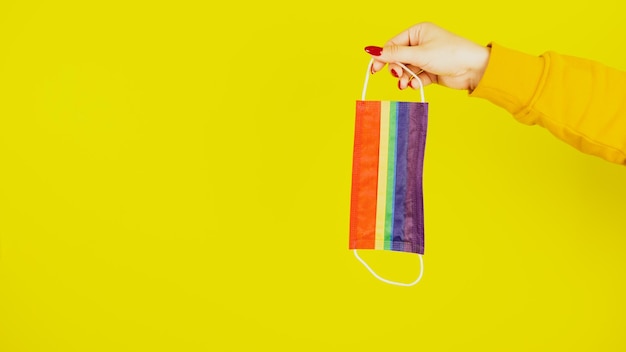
[(369, 70), (389, 281)]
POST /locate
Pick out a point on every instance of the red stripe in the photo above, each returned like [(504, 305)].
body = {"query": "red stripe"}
[(365, 175)]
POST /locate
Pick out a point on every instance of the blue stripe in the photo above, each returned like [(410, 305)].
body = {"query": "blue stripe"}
[(402, 131)]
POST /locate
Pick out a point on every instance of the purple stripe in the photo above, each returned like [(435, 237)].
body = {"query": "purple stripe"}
[(414, 206), (422, 121)]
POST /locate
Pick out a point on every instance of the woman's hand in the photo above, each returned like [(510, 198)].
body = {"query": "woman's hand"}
[(441, 57)]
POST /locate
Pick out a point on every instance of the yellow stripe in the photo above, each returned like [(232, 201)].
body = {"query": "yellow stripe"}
[(382, 175)]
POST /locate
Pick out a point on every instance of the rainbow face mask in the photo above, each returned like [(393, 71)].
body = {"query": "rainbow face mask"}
[(386, 210)]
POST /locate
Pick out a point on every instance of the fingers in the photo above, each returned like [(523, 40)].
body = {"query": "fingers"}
[(448, 59), (413, 55), (404, 82), (425, 77), (377, 66), (405, 47), (407, 80), (411, 82), (395, 69), (404, 77)]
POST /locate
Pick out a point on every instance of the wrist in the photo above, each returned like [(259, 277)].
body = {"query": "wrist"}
[(479, 67), (511, 80)]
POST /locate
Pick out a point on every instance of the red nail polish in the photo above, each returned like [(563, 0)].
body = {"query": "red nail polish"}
[(393, 73), (374, 50), (399, 85)]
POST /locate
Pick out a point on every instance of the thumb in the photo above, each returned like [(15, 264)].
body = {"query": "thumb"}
[(412, 55)]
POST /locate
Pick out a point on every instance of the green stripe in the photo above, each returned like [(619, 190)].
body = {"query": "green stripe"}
[(391, 173)]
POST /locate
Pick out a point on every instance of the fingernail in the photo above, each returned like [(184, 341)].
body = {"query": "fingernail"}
[(399, 85), (393, 73), (374, 50), (411, 83), (372, 70)]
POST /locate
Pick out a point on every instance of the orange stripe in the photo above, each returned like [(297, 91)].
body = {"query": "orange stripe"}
[(365, 175)]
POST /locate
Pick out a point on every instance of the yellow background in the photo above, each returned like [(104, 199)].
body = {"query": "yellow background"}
[(175, 176)]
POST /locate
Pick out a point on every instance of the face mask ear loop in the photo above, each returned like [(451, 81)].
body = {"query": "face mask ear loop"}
[(389, 281), (367, 78), (369, 71)]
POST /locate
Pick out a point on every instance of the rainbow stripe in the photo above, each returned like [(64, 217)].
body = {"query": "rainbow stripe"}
[(386, 205)]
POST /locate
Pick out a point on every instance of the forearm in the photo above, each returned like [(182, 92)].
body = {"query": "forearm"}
[(580, 101)]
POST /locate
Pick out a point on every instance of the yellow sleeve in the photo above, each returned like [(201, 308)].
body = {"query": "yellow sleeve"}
[(579, 101)]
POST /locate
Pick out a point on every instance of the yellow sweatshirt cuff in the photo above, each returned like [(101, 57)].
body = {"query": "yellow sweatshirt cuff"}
[(512, 80)]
